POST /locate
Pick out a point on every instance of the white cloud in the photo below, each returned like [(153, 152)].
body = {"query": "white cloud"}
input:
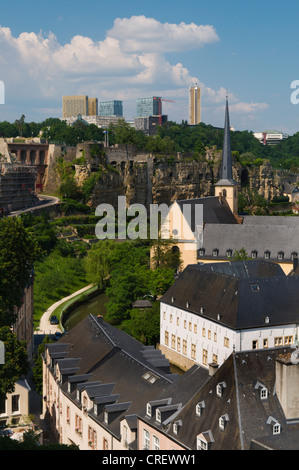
[(130, 62), (139, 33), (246, 108)]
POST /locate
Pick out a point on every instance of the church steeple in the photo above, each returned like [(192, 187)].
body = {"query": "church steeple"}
[(226, 186), (227, 167)]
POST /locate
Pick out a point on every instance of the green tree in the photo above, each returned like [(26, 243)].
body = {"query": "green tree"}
[(38, 365), (240, 255), (18, 253), (16, 361), (20, 124)]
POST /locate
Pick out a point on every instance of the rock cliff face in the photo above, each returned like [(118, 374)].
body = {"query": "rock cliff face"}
[(147, 179)]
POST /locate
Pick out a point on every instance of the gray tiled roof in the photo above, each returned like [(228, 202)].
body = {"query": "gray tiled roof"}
[(260, 238), (214, 210), (239, 301), (247, 413)]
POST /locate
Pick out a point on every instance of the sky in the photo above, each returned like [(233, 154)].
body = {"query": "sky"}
[(131, 49)]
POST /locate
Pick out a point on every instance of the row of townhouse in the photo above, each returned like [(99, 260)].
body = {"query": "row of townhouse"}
[(96, 380), (103, 390)]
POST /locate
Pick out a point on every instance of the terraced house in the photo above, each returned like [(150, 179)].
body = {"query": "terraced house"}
[(97, 379)]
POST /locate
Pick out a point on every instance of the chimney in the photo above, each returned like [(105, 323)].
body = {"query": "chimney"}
[(213, 368), (287, 383)]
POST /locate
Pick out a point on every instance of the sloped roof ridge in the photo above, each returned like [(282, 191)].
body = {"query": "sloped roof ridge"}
[(138, 360)]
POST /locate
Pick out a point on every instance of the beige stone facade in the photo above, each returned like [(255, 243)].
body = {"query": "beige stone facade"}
[(16, 406)]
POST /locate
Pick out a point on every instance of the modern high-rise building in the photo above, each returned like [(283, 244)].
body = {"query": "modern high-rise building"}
[(111, 108), (194, 105), (151, 106), (74, 105), (92, 106)]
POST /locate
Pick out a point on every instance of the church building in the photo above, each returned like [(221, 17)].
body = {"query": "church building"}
[(209, 229)]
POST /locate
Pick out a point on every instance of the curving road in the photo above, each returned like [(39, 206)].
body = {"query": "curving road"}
[(45, 328), (46, 201)]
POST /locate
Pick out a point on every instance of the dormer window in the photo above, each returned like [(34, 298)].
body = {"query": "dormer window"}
[(188, 304), (215, 252), (276, 428), (201, 252), (229, 253), (149, 410), (172, 299), (201, 444), (176, 426), (263, 390), (95, 409), (158, 416), (264, 393), (254, 254), (106, 417), (222, 422), (204, 440), (267, 254), (78, 395), (199, 407), (220, 388), (294, 255), (255, 287), (280, 255)]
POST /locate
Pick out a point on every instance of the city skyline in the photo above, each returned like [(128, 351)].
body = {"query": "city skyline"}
[(136, 50)]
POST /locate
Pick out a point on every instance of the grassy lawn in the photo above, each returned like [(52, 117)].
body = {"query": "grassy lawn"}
[(56, 277)]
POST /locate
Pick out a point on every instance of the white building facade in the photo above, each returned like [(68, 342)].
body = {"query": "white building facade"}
[(186, 337)]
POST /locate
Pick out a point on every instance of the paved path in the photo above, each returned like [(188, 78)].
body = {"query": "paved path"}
[(45, 327), (47, 201)]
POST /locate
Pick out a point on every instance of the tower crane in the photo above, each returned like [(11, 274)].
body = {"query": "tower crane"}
[(160, 107)]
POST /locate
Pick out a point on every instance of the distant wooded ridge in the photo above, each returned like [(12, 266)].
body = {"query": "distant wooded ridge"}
[(171, 137)]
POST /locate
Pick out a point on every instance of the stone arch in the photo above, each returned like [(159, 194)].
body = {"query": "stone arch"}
[(23, 156), (32, 157), (42, 157)]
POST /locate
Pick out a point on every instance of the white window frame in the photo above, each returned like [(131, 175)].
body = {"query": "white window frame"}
[(156, 443), (201, 444), (276, 428), (146, 439), (264, 393), (148, 410)]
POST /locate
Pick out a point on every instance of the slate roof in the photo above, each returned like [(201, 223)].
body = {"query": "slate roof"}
[(248, 417), (239, 294), (257, 237), (289, 221), (214, 210), (112, 368)]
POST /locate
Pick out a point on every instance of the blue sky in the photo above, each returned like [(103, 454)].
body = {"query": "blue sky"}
[(125, 50)]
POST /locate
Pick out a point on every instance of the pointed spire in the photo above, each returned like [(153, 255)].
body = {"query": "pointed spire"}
[(226, 169), (227, 166)]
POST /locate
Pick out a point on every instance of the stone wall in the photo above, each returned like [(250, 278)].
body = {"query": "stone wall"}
[(146, 178)]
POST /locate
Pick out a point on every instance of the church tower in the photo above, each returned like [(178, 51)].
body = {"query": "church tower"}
[(226, 186)]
